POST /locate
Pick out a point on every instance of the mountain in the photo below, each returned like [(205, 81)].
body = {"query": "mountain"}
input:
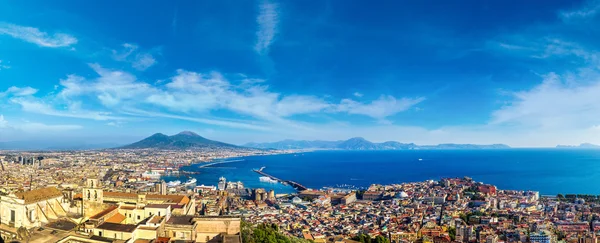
[(359, 143), (581, 146), (295, 144), (185, 140)]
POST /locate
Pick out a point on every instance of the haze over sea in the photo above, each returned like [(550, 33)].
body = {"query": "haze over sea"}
[(549, 171)]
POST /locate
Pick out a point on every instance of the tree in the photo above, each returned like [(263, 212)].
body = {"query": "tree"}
[(266, 233), (452, 233)]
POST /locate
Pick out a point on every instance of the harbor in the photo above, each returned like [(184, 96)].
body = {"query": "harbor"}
[(295, 185)]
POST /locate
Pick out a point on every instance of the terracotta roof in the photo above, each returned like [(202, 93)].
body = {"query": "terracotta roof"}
[(117, 227), (117, 218), (39, 194), (179, 199), (104, 212), (158, 205)]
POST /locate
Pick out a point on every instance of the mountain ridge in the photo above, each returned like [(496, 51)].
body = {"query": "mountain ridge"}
[(185, 140), (359, 143), (580, 146)]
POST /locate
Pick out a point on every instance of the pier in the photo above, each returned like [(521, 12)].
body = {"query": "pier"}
[(294, 184), (219, 162)]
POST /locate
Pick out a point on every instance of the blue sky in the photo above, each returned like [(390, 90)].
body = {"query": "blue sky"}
[(521, 73)]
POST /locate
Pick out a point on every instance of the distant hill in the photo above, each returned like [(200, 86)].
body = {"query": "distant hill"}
[(581, 146), (359, 143), (181, 141)]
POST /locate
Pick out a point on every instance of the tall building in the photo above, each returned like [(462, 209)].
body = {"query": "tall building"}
[(93, 197), (464, 233), (163, 188), (222, 183)]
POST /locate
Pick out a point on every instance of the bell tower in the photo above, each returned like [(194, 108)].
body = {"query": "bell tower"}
[(93, 196)]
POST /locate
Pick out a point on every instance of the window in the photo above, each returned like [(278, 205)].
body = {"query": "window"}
[(159, 213), (138, 217)]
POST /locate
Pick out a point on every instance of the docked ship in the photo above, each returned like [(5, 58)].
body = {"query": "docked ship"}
[(190, 182), (174, 183), (235, 185), (222, 183), (151, 175)]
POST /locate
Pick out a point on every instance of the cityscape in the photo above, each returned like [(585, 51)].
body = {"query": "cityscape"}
[(114, 196), (306, 121)]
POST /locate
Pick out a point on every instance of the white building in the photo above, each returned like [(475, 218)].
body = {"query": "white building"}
[(32, 208)]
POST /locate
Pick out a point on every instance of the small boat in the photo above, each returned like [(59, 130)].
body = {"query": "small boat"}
[(420, 159)]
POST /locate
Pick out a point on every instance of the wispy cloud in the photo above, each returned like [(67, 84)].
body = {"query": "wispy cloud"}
[(381, 108), (18, 91), (131, 53), (268, 21), (358, 94), (41, 127), (73, 111), (559, 102), (588, 10), (3, 65), (194, 97), (3, 122), (34, 35), (35, 127)]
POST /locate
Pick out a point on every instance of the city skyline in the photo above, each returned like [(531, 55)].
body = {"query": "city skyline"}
[(263, 71)]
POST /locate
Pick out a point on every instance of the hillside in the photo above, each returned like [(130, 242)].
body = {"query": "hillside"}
[(181, 141)]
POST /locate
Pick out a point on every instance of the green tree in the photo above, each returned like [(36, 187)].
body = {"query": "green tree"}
[(452, 233)]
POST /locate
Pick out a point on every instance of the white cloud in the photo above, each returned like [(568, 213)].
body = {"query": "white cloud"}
[(34, 127), (589, 10), (268, 21), (34, 35), (3, 65), (557, 103), (195, 97), (132, 54), (3, 122), (203, 120), (73, 111), (381, 108), (143, 61), (358, 94), (18, 91), (41, 127)]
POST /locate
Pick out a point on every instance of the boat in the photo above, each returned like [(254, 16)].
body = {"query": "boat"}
[(267, 179), (151, 175), (420, 159), (191, 181), (174, 183)]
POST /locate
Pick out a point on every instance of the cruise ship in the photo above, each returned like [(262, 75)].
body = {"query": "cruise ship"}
[(174, 183), (222, 183), (235, 185), (191, 182), (151, 175)]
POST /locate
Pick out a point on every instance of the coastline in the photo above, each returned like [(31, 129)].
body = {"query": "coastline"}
[(549, 171)]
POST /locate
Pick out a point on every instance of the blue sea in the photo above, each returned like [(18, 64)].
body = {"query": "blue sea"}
[(549, 171)]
